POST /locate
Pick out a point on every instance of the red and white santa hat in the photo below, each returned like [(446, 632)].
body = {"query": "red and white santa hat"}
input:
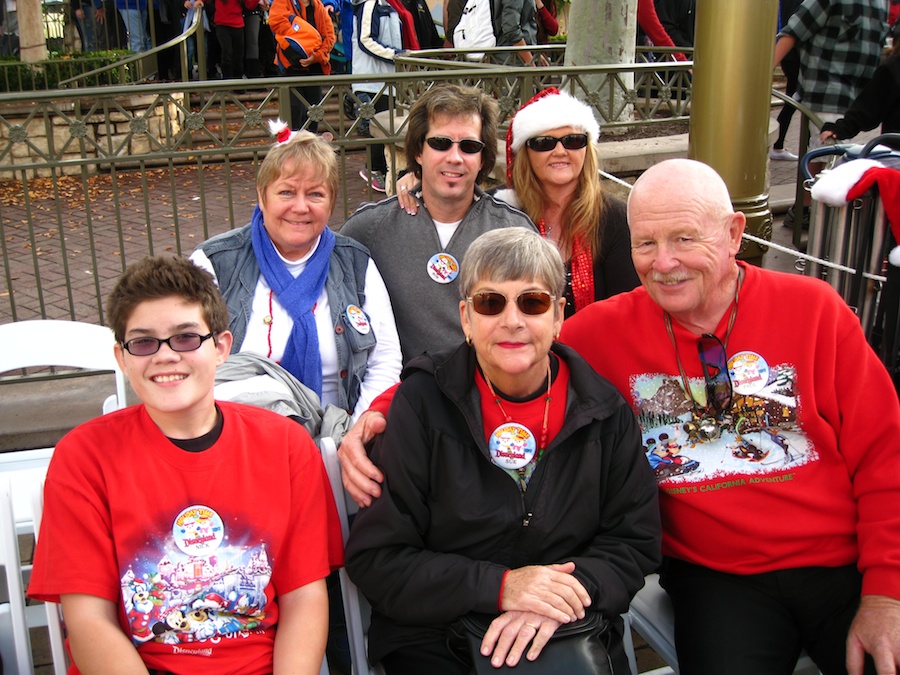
[(549, 109), (280, 130), (851, 180)]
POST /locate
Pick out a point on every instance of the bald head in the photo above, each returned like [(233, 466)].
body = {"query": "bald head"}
[(684, 239), (681, 181)]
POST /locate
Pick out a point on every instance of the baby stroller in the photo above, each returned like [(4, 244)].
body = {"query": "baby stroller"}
[(854, 221)]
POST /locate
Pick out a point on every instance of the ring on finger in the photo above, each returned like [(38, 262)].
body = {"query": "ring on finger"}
[(403, 189), (532, 625)]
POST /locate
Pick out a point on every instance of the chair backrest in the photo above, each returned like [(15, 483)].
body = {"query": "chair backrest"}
[(15, 642), (355, 605), (652, 617), (49, 342), (52, 610)]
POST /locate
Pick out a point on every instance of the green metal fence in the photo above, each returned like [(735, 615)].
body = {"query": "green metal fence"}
[(92, 179)]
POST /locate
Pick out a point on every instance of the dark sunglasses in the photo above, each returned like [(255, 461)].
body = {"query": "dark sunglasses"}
[(548, 143), (714, 363), (470, 146), (183, 342), (531, 303)]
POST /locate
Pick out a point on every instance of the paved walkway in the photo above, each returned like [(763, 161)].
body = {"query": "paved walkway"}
[(183, 206), (205, 206)]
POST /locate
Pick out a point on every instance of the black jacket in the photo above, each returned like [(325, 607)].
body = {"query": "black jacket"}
[(677, 17), (877, 103), (449, 522)]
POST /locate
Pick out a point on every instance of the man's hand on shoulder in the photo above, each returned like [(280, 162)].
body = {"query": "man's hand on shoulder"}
[(876, 631), (360, 476)]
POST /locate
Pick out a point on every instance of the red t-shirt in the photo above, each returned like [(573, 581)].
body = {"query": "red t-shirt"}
[(195, 548)]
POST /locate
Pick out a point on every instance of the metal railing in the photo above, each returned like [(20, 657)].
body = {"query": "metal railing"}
[(656, 89), (99, 68), (807, 116), (134, 61), (92, 179), (96, 70)]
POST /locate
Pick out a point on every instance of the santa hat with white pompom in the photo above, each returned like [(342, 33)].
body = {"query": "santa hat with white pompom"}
[(548, 109), (850, 180), (280, 130)]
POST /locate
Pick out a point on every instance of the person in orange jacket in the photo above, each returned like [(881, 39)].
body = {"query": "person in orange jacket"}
[(282, 16)]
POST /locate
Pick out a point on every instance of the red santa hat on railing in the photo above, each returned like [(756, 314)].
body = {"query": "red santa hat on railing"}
[(851, 180), (549, 109)]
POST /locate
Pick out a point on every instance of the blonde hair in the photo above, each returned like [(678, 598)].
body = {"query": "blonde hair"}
[(303, 151), (582, 218)]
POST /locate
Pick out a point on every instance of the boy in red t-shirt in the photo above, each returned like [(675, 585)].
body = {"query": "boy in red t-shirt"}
[(184, 533)]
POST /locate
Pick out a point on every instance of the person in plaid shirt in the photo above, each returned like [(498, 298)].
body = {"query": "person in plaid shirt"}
[(839, 43)]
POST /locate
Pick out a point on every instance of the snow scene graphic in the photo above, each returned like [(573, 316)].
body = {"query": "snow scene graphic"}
[(759, 437), (201, 583)]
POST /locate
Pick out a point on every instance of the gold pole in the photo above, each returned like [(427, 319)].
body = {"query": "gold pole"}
[(733, 57)]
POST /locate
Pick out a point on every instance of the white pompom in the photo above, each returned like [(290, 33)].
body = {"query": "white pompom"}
[(276, 126), (894, 256)]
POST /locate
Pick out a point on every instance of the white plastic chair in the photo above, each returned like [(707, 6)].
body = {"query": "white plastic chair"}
[(73, 344), (29, 344), (39, 343), (652, 617), (15, 617), (354, 602), (52, 610)]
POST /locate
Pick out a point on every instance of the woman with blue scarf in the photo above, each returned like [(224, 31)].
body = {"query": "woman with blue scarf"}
[(299, 294)]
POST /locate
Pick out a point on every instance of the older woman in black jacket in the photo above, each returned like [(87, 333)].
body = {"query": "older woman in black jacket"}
[(515, 484)]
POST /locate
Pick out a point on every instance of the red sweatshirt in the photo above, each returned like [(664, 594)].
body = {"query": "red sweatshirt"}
[(807, 469)]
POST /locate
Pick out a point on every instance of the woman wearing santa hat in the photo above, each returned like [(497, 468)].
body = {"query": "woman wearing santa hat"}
[(552, 175)]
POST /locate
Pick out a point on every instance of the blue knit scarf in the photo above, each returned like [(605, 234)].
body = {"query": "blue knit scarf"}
[(297, 296)]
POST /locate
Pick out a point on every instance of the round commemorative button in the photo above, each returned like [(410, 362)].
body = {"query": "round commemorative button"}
[(443, 268), (512, 446), (749, 373), (358, 320), (198, 530)]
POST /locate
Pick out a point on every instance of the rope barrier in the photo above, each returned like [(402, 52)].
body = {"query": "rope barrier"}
[(778, 247), (804, 256)]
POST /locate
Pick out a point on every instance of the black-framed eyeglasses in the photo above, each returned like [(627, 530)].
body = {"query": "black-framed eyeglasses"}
[(470, 146), (548, 143), (183, 342), (714, 362), (490, 303)]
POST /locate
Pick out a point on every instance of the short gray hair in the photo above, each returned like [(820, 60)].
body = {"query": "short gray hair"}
[(512, 253)]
